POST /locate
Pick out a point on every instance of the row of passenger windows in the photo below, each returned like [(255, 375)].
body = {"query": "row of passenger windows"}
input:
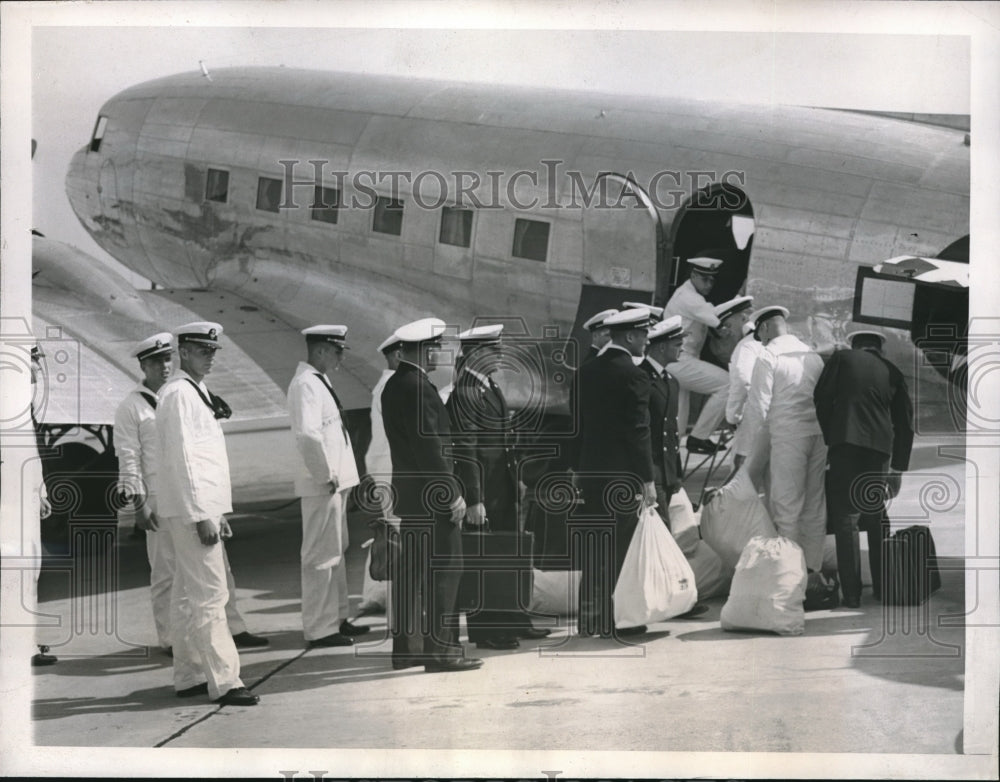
[(531, 237)]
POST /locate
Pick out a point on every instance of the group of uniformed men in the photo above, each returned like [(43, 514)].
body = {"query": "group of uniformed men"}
[(451, 464)]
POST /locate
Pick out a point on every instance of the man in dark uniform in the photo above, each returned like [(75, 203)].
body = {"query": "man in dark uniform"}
[(486, 468), (430, 508), (866, 416), (615, 466), (664, 347), (665, 340), (600, 334)]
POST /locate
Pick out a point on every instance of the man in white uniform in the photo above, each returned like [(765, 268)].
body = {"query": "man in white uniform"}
[(136, 446), (326, 473), (735, 323), (193, 494), (693, 374), (378, 459), (780, 409)]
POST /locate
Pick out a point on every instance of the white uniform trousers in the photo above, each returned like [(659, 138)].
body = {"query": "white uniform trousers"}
[(160, 550), (796, 496), (700, 377), (203, 646), (324, 566)]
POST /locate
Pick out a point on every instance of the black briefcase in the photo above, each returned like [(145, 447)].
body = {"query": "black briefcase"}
[(552, 536), (496, 573), (909, 567)]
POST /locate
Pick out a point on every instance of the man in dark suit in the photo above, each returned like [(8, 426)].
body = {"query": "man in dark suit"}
[(487, 471), (430, 508), (615, 467), (600, 334), (866, 416), (664, 347)]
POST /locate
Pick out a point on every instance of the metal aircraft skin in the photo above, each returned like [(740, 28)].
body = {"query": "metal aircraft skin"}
[(186, 182)]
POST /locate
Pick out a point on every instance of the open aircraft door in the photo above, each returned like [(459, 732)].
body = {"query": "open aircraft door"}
[(622, 244)]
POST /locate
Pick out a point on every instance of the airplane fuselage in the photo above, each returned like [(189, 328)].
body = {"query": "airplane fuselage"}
[(371, 201)]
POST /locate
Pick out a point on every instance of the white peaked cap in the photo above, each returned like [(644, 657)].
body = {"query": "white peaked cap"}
[(482, 334), (596, 321), (202, 332), (335, 335), (629, 319), (421, 330), (667, 329), (154, 346)]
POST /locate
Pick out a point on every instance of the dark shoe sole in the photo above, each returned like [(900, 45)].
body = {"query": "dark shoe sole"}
[(41, 660)]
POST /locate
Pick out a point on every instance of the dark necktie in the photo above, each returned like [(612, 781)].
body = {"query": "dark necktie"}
[(336, 401)]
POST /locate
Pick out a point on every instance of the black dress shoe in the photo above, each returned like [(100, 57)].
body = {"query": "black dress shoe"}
[(331, 640), (532, 633), (190, 692), (698, 610), (498, 643), (851, 602), (626, 631), (458, 664), (238, 696), (346, 628), (40, 659), (697, 445), (247, 640)]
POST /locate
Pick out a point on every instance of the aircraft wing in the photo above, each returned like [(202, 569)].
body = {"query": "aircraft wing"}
[(88, 318)]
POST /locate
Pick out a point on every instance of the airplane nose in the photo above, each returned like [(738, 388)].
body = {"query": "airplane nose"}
[(80, 177)]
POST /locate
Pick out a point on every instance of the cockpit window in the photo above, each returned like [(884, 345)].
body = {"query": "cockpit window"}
[(98, 137), (217, 185)]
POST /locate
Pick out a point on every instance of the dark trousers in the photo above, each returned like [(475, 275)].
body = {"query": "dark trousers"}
[(424, 621), (600, 539), (855, 499), (505, 622)]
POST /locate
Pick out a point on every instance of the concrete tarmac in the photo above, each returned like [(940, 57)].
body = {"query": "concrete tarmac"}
[(871, 680)]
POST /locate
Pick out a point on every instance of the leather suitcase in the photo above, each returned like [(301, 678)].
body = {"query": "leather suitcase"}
[(909, 567), (497, 572)]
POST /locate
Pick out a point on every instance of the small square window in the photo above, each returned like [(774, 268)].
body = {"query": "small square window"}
[(217, 185), (326, 204), (268, 194), (388, 216), (531, 239), (456, 226)]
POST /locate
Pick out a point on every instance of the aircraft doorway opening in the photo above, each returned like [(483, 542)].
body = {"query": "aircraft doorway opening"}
[(717, 221)]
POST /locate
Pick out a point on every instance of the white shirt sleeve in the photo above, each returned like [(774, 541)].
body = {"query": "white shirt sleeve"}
[(703, 312), (759, 400), (129, 450)]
